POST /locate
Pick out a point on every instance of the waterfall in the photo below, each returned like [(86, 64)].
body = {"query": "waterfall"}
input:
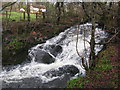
[(56, 59)]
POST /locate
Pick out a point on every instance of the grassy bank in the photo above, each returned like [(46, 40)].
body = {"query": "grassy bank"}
[(16, 16), (105, 74)]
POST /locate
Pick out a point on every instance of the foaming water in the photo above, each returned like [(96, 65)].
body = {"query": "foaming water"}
[(68, 56)]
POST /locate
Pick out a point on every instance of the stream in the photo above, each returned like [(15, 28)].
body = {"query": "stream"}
[(53, 63)]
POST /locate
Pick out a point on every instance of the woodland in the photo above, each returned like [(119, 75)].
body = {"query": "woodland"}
[(27, 24)]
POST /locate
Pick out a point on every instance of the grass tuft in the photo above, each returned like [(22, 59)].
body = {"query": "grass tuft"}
[(76, 83), (102, 67)]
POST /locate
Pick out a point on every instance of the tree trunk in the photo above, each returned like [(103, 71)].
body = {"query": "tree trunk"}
[(43, 13), (6, 14), (10, 12), (24, 15), (28, 11), (36, 16), (62, 8), (92, 44), (58, 12)]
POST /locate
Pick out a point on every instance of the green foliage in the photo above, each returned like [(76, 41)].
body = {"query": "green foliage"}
[(0, 16), (24, 7), (105, 61), (79, 83), (98, 76), (55, 31), (16, 45), (103, 67)]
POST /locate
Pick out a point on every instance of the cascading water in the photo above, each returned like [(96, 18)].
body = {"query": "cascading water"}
[(53, 63)]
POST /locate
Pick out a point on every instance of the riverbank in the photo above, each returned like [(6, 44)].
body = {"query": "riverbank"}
[(106, 72)]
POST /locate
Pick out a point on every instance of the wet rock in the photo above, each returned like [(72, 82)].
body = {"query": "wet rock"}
[(44, 57), (36, 82), (62, 39), (56, 49), (57, 83), (67, 69), (33, 82), (71, 69)]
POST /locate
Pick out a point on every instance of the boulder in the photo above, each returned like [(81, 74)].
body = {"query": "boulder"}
[(71, 69), (57, 82), (43, 57), (67, 69), (55, 50)]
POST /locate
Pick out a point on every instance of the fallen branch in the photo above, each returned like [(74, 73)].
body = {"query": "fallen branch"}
[(109, 39), (112, 37)]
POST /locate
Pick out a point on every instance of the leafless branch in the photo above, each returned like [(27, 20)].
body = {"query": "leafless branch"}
[(77, 44), (109, 39), (78, 51), (86, 41), (7, 5), (112, 37)]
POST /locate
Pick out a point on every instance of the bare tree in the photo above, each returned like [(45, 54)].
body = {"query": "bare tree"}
[(59, 10), (28, 10), (7, 5), (82, 57), (10, 12), (89, 10)]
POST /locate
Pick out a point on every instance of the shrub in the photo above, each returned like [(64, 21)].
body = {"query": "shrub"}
[(16, 44)]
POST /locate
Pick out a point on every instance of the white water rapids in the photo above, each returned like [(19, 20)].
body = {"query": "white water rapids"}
[(68, 56)]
